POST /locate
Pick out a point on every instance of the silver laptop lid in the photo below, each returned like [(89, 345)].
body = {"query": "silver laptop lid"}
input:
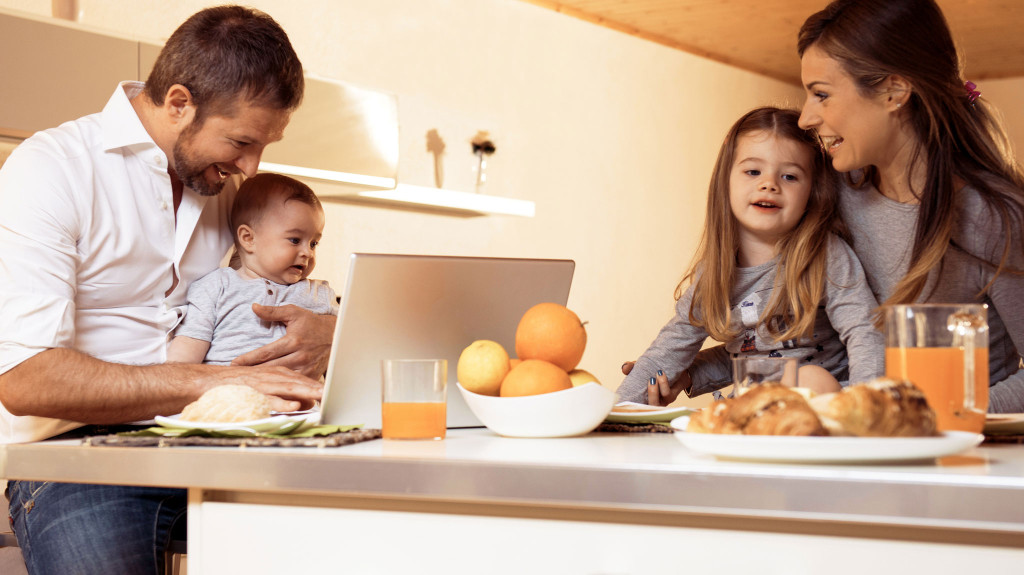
[(427, 307)]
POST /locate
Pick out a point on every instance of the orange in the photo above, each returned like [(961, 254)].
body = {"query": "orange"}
[(553, 333), (482, 366), (512, 363), (534, 377)]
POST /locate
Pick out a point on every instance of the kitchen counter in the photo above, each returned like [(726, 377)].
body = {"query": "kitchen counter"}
[(613, 484)]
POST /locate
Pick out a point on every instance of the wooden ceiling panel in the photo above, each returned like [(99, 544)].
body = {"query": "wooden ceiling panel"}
[(760, 35)]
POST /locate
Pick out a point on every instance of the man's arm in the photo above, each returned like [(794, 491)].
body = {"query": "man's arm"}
[(65, 384)]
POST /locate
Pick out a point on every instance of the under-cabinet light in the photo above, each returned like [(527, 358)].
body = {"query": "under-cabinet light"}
[(329, 175)]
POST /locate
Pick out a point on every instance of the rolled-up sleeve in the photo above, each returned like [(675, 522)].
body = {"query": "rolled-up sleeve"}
[(38, 257)]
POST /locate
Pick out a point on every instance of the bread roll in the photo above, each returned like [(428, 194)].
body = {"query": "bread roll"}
[(879, 408), (228, 404), (766, 409)]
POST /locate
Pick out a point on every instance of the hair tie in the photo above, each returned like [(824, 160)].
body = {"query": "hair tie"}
[(972, 92)]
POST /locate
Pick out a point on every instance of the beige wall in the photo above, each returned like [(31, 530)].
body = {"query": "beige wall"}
[(611, 136)]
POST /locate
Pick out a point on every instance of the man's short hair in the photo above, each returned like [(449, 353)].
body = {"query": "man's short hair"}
[(225, 55)]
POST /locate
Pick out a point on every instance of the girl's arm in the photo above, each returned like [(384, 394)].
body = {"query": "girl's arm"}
[(670, 353)]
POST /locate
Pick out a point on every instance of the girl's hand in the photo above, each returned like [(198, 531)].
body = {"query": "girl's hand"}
[(660, 392)]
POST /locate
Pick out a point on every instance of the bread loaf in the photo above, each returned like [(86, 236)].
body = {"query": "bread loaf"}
[(228, 404), (767, 409), (879, 408)]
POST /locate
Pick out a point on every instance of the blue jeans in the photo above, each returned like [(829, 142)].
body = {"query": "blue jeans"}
[(66, 528)]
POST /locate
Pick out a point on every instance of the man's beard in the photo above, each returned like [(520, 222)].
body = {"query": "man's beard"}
[(191, 173)]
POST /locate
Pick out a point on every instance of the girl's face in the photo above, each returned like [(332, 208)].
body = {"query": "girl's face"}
[(769, 185), (856, 131), (282, 244)]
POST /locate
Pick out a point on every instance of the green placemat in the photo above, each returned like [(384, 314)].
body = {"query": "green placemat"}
[(319, 436)]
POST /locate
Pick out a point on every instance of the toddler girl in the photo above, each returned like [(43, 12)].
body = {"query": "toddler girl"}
[(768, 260)]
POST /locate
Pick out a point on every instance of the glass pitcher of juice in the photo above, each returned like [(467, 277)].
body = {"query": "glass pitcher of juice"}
[(942, 349)]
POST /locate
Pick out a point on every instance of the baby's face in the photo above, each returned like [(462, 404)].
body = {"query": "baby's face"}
[(285, 240)]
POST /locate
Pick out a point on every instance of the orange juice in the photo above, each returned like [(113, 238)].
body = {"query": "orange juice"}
[(426, 420), (939, 372)]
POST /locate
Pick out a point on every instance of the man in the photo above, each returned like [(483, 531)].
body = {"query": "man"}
[(106, 222)]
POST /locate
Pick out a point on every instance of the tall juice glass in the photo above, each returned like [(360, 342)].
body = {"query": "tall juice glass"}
[(942, 349), (414, 398)]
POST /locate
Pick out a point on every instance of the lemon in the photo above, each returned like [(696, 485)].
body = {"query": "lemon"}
[(581, 376), (482, 366)]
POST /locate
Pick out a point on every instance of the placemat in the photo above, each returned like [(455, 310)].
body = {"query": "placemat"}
[(332, 440), (608, 427)]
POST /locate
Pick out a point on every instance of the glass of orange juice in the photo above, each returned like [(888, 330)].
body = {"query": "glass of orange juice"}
[(942, 349), (414, 398)]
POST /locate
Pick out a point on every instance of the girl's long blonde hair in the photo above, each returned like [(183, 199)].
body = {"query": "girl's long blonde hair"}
[(958, 135), (800, 276)]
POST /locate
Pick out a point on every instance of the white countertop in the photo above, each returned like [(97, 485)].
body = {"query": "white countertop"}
[(979, 489)]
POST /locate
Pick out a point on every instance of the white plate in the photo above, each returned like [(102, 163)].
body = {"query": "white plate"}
[(1007, 423), (649, 415), (277, 423), (825, 449)]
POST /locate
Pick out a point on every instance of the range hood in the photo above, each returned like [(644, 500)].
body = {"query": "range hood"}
[(348, 134)]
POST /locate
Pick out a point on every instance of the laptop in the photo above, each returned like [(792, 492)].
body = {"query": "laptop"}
[(427, 307)]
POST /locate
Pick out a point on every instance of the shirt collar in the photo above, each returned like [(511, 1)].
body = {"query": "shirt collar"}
[(121, 125)]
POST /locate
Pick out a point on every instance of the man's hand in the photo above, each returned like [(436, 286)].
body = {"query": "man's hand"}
[(305, 347), (288, 390)]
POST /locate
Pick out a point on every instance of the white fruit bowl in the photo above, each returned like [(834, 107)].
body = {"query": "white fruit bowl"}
[(565, 413)]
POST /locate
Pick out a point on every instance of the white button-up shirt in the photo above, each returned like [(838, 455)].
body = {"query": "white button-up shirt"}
[(89, 247)]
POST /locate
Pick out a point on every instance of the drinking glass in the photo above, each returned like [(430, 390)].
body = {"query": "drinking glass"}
[(414, 398), (943, 350), (755, 370)]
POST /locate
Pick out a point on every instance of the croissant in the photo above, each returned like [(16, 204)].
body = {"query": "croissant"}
[(879, 408), (228, 404), (767, 409)]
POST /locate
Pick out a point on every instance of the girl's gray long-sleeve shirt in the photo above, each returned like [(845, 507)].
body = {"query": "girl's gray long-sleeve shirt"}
[(883, 235), (843, 341)]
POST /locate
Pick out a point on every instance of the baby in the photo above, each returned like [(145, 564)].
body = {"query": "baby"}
[(277, 222)]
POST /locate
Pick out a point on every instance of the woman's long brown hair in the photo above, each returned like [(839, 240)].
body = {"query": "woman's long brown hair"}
[(800, 276), (957, 136)]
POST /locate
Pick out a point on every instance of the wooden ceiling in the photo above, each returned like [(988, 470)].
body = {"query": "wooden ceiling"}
[(760, 35)]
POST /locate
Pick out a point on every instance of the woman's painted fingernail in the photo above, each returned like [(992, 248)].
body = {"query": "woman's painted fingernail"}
[(624, 364), (652, 381), (661, 372)]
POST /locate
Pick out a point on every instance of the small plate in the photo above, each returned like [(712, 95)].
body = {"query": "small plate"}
[(776, 448), (1004, 423), (631, 412), (281, 423)]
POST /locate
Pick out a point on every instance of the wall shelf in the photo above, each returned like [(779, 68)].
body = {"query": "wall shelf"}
[(465, 202)]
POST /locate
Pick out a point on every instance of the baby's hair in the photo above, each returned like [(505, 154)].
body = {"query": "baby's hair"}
[(800, 275), (259, 192)]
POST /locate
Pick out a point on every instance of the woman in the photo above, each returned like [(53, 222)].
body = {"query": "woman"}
[(935, 201)]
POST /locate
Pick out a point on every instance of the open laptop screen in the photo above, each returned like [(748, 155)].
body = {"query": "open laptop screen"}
[(427, 307)]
